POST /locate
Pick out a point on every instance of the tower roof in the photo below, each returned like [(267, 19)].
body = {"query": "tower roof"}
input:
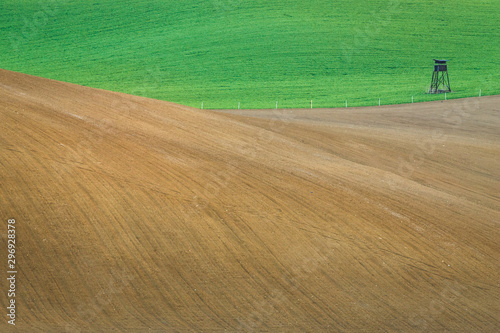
[(439, 61)]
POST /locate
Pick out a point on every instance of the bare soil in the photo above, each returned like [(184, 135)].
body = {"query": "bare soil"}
[(138, 215)]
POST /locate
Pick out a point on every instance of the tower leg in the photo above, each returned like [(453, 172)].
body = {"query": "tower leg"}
[(434, 83), (448, 82)]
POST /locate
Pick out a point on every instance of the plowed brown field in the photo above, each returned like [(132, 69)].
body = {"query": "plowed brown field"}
[(137, 215)]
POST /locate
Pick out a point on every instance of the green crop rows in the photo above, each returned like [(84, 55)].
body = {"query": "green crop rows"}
[(225, 52)]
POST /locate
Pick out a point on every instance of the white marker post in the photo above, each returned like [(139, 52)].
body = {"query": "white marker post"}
[(411, 99), (479, 92), (311, 103), (202, 105), (276, 105), (445, 96), (379, 102), (346, 103), (238, 105)]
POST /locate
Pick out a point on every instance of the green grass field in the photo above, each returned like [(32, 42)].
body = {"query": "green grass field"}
[(223, 52)]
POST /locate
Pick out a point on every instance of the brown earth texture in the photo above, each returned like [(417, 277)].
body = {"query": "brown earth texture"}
[(138, 215)]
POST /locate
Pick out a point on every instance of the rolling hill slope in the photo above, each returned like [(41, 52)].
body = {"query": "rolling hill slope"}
[(141, 215), (222, 52)]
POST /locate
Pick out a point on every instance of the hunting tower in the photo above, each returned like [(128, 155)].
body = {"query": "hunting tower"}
[(440, 81)]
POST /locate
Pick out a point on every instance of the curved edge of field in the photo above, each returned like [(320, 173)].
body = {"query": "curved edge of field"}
[(141, 215)]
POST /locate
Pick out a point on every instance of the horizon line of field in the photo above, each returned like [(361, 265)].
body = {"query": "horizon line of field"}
[(347, 103)]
